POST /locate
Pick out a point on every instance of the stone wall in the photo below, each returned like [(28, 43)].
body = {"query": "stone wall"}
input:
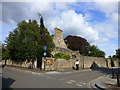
[(58, 64), (63, 64), (61, 50), (20, 64), (52, 66), (116, 62), (89, 61), (85, 62)]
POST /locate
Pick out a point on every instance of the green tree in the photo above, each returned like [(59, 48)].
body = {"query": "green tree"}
[(45, 38), (27, 41), (95, 52), (5, 54)]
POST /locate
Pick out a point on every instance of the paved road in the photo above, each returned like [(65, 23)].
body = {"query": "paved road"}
[(13, 78)]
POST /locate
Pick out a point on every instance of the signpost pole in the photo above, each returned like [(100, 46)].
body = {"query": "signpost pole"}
[(44, 62), (45, 47)]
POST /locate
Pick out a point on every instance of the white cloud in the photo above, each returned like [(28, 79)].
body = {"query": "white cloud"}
[(107, 7), (73, 24), (109, 27)]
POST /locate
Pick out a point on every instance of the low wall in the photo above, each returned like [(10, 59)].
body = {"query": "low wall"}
[(20, 64), (85, 62), (63, 64), (93, 61), (57, 64), (115, 61)]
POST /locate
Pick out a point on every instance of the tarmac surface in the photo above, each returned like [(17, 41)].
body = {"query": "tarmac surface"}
[(84, 78)]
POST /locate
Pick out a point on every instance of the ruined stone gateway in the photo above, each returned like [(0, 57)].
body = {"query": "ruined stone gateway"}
[(60, 45), (58, 38)]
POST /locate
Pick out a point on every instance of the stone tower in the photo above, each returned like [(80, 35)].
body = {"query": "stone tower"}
[(58, 38)]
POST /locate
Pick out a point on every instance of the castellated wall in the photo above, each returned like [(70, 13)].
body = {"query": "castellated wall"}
[(58, 38)]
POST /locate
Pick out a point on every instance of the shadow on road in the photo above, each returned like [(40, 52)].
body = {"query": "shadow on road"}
[(107, 70), (6, 82)]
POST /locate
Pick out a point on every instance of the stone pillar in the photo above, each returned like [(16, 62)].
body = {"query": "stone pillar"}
[(35, 64), (58, 38)]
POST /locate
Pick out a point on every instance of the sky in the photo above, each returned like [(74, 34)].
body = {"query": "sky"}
[(95, 21)]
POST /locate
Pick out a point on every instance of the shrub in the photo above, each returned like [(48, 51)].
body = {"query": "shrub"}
[(62, 55)]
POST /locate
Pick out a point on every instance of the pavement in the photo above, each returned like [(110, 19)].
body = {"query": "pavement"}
[(105, 82)]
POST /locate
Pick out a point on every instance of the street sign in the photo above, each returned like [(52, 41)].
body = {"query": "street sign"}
[(49, 61), (45, 54), (45, 47)]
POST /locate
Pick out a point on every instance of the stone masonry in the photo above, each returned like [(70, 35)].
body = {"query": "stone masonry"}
[(58, 38)]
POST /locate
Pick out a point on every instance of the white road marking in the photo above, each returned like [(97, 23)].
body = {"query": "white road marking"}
[(79, 85), (69, 82), (53, 72), (72, 80)]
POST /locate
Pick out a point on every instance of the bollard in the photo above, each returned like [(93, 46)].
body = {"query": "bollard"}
[(118, 82), (112, 73)]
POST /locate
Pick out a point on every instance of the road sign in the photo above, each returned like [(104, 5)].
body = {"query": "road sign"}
[(49, 61), (45, 54), (45, 47)]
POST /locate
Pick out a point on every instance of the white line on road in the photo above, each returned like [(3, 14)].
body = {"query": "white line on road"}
[(69, 82), (72, 80), (79, 85)]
